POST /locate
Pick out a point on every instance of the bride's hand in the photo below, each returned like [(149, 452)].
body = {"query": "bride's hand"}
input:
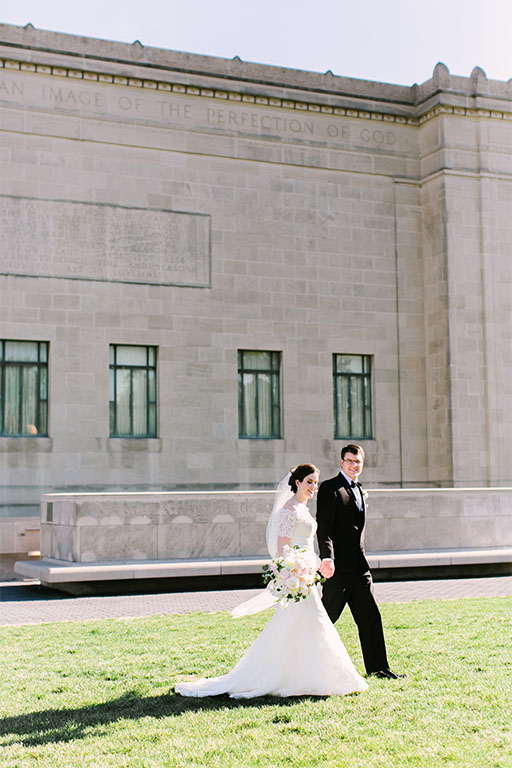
[(282, 542), (326, 568)]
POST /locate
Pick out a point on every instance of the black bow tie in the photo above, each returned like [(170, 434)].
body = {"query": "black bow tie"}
[(354, 485)]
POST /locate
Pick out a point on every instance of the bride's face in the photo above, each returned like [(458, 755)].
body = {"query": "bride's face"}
[(307, 488)]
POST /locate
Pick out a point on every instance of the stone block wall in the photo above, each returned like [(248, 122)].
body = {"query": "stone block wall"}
[(204, 206)]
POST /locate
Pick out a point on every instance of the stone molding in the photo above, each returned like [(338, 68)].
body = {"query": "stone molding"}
[(446, 109), (251, 98)]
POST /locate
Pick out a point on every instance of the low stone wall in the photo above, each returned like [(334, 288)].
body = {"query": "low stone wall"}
[(85, 528), (19, 538), (102, 527), (447, 518)]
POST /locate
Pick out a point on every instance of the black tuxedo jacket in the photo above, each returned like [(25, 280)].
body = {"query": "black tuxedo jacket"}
[(341, 526)]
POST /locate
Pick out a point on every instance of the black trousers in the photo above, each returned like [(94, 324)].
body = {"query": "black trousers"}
[(356, 590)]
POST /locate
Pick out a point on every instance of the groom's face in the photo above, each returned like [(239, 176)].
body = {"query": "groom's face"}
[(352, 465)]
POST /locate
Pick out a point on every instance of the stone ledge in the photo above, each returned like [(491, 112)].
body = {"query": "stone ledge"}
[(53, 572), (428, 558), (50, 571)]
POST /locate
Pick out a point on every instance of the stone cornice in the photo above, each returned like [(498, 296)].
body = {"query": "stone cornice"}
[(447, 109), (149, 63), (43, 43), (90, 76)]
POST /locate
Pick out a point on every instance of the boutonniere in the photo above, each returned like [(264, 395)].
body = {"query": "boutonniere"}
[(365, 495)]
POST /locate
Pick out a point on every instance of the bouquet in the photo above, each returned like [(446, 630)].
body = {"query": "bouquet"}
[(291, 576)]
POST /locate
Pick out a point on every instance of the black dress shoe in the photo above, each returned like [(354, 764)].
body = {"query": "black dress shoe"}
[(387, 673)]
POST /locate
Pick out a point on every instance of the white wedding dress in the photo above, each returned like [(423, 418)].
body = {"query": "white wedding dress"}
[(298, 653)]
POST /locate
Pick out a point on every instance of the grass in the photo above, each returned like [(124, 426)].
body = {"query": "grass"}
[(100, 694)]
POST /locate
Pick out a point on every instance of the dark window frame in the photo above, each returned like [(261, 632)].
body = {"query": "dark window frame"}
[(41, 415), (151, 404), (364, 378), (274, 371)]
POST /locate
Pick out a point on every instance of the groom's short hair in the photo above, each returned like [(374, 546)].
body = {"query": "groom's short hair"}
[(351, 448)]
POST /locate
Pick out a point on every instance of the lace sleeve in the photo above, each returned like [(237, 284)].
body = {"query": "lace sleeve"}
[(286, 525)]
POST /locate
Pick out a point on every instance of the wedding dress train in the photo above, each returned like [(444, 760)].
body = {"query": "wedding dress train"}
[(298, 653)]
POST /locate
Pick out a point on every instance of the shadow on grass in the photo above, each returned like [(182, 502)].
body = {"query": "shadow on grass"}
[(61, 725)]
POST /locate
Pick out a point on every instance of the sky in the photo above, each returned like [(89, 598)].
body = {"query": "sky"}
[(393, 41)]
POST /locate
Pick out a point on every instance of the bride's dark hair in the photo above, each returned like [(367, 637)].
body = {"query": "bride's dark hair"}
[(298, 474)]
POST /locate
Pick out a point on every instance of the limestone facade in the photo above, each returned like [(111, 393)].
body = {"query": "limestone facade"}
[(203, 206)]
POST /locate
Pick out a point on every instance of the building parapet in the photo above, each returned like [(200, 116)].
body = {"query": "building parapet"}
[(92, 60)]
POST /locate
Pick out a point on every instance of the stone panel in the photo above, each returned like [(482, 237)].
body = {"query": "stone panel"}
[(253, 539), (66, 543), (191, 540), (437, 335), (48, 238), (120, 542)]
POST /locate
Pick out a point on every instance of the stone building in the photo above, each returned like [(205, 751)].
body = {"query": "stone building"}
[(211, 270)]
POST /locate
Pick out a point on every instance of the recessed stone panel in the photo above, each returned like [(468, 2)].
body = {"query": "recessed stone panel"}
[(89, 241)]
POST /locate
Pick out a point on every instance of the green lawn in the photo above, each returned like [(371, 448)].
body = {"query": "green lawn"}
[(100, 693)]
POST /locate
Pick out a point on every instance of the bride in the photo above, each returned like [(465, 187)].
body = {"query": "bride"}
[(299, 652)]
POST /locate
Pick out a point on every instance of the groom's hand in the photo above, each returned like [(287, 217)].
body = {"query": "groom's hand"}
[(326, 568)]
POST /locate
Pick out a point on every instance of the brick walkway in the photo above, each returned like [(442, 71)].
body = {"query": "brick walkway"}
[(23, 603)]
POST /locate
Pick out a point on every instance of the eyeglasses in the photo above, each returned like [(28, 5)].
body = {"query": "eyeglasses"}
[(353, 462)]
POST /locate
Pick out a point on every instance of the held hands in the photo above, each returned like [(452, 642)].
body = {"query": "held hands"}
[(326, 568)]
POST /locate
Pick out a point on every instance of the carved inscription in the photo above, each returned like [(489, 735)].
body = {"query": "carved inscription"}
[(273, 123), (203, 114), (103, 242), (11, 89), (69, 97)]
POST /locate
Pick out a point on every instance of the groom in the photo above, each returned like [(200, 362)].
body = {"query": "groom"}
[(341, 513)]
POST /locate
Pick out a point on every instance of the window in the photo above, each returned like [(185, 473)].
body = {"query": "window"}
[(132, 391), (352, 396), (24, 388), (259, 409)]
